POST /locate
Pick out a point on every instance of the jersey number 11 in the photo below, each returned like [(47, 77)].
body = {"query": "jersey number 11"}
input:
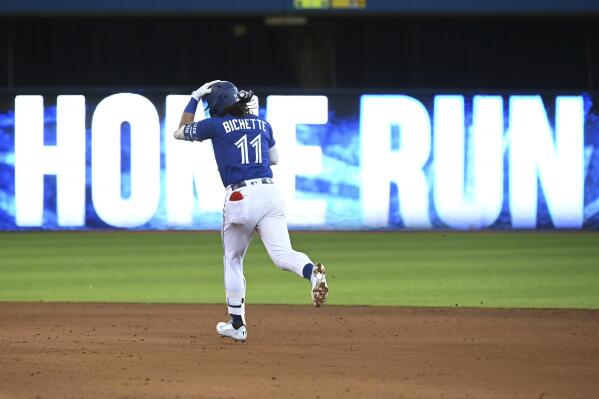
[(242, 144)]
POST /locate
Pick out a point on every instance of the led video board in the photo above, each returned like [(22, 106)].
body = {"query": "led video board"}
[(348, 161)]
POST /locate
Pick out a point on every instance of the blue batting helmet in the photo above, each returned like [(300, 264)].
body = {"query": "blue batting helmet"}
[(223, 94)]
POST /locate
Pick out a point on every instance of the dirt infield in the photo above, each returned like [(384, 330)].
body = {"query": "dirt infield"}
[(172, 351)]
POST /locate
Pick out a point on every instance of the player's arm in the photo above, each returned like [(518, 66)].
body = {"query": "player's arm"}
[(190, 110), (187, 116), (273, 155)]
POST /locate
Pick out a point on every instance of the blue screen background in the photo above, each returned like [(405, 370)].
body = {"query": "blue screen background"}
[(338, 184)]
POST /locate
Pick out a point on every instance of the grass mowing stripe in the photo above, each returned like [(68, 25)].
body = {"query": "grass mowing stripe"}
[(494, 269)]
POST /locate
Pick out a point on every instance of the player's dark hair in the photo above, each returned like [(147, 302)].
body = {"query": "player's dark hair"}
[(240, 108)]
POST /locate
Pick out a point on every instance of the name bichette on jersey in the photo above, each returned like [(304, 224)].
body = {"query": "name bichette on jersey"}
[(243, 124)]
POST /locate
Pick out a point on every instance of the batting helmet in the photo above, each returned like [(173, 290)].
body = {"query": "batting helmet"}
[(223, 95)]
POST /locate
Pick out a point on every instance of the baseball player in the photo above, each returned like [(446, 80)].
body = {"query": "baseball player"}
[(244, 148)]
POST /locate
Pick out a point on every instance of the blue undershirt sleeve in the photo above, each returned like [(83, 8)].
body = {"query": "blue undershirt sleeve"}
[(199, 131)]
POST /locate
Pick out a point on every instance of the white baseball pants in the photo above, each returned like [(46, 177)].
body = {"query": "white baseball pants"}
[(266, 215)]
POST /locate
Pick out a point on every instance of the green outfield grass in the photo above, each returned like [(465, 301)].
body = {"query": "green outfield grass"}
[(490, 269)]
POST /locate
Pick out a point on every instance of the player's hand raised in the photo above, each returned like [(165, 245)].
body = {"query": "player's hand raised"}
[(203, 90)]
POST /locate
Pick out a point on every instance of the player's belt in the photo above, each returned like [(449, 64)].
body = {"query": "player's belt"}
[(264, 180)]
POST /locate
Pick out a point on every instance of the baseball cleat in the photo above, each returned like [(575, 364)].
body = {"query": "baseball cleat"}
[(227, 330), (320, 289)]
